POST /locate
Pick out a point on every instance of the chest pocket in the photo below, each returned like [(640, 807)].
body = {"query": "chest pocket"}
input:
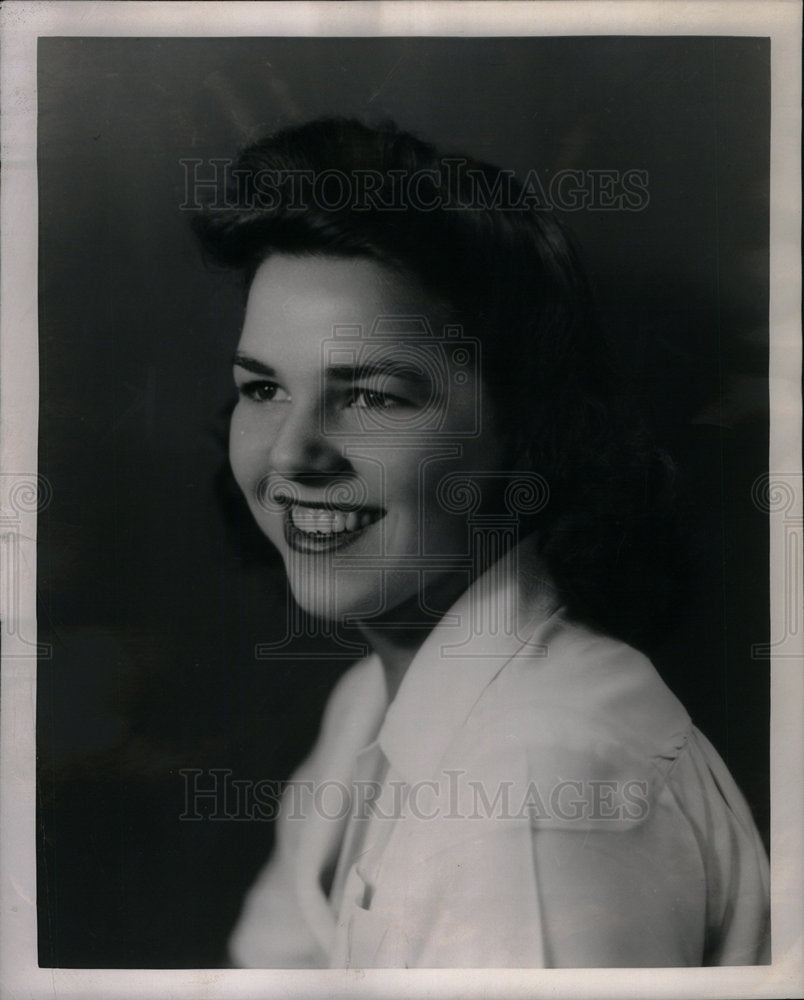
[(364, 937)]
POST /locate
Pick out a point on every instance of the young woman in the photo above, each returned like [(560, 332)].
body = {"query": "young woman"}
[(429, 431)]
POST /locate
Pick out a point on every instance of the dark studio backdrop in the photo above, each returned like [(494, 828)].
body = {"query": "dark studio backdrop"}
[(155, 590)]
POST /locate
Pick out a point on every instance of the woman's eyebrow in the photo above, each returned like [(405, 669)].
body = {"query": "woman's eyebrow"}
[(253, 365), (344, 373), (389, 367)]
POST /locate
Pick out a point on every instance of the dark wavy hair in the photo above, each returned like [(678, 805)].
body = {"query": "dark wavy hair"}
[(512, 272)]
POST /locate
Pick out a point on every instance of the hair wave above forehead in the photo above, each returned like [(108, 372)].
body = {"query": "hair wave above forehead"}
[(341, 187)]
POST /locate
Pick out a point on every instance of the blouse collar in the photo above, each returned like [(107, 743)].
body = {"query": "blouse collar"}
[(492, 622)]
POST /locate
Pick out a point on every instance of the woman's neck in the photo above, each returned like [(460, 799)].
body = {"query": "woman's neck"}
[(397, 635)]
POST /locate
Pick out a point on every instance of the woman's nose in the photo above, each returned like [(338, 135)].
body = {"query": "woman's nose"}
[(302, 447)]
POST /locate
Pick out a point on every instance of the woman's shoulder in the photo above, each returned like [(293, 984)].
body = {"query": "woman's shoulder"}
[(573, 687)]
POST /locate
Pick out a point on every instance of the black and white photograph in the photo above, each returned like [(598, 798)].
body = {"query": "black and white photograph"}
[(401, 494)]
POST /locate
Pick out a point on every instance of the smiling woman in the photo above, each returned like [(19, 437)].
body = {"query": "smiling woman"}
[(430, 431), (331, 457)]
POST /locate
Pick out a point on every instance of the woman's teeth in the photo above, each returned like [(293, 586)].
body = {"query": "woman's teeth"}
[(321, 521)]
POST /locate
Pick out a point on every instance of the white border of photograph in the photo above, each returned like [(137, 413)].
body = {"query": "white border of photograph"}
[(22, 23)]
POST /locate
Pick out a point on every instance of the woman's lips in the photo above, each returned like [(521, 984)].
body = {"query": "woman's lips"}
[(312, 528)]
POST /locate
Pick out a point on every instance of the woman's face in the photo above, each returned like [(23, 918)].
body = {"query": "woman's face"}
[(355, 401)]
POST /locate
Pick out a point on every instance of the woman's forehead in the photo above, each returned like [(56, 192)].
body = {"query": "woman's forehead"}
[(349, 281), (298, 302)]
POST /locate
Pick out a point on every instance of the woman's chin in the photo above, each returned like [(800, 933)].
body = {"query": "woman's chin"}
[(336, 600)]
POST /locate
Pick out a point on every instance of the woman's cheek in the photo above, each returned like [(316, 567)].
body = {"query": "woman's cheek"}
[(247, 452), (242, 475)]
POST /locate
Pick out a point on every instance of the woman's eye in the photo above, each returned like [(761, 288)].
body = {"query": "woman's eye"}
[(373, 399), (263, 392)]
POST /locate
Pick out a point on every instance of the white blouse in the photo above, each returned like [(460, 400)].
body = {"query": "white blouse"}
[(534, 796)]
